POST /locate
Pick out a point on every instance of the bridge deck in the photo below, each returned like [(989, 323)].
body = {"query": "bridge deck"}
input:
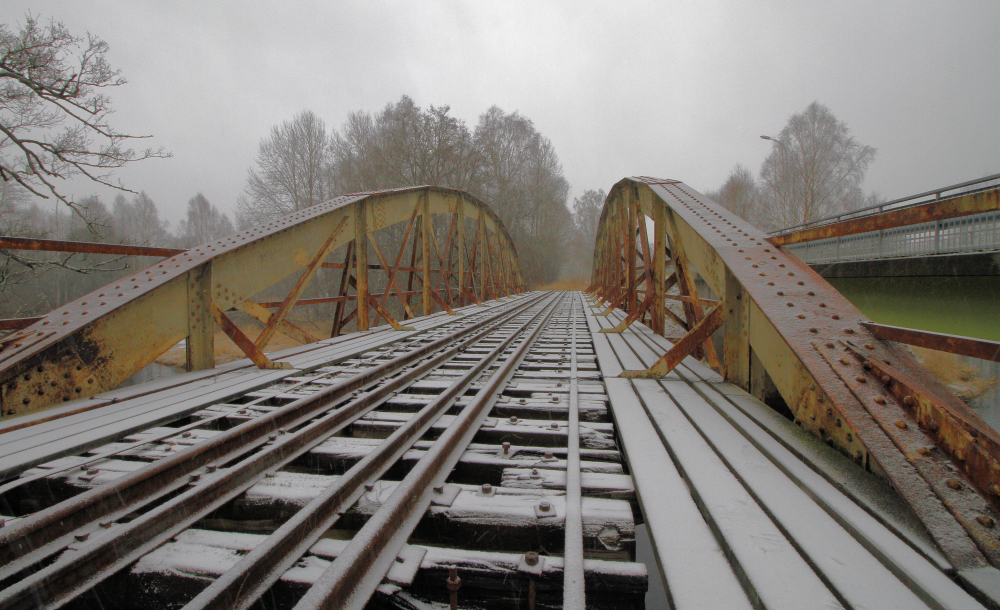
[(386, 459)]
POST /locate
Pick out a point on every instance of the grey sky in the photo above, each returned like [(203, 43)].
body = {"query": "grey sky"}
[(678, 89)]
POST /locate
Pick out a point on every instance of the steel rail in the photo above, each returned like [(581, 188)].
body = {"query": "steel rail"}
[(201, 423), (353, 577), (149, 483), (574, 589), (65, 579), (98, 560), (244, 583)]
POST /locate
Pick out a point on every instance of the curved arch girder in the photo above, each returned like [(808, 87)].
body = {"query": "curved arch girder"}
[(94, 343), (787, 332)]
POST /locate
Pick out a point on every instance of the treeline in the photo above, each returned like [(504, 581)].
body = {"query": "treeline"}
[(503, 160), (32, 283), (815, 169)]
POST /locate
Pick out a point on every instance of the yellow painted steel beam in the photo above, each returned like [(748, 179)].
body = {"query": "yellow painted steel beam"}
[(787, 330), (94, 343)]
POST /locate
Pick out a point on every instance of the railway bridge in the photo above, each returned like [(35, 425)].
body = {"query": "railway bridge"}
[(488, 446)]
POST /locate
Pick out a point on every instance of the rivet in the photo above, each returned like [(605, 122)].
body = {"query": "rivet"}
[(829, 345), (985, 521), (195, 476), (901, 424), (81, 537), (814, 330), (927, 451), (869, 346), (954, 484), (369, 486), (790, 304), (860, 379), (843, 360), (781, 293), (908, 400), (835, 317), (879, 400)]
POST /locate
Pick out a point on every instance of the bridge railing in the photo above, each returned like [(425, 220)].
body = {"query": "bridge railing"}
[(976, 233), (965, 188)]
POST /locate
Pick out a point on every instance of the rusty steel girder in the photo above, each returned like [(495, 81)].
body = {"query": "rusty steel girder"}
[(786, 330), (94, 343)]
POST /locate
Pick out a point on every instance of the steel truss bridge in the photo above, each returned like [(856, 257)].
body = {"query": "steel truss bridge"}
[(504, 448)]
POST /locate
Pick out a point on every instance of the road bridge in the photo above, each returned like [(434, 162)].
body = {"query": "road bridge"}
[(509, 449)]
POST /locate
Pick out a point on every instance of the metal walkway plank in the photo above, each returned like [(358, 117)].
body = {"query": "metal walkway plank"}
[(695, 569)]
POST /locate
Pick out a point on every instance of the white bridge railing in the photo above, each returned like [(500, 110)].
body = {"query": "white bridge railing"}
[(977, 233)]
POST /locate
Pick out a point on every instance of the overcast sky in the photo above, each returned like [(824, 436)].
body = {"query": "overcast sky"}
[(680, 89)]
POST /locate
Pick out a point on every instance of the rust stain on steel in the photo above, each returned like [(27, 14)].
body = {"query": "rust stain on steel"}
[(17, 323), (899, 425), (86, 247), (792, 307), (975, 203), (953, 344), (683, 348), (94, 343), (960, 431)]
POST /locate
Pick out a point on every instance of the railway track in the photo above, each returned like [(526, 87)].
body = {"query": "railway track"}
[(471, 461)]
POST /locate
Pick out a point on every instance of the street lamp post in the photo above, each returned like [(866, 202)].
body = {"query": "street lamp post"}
[(785, 160)]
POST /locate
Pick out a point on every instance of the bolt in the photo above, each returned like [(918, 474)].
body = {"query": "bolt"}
[(212, 467), (534, 472), (995, 489), (886, 379), (544, 507), (513, 419), (105, 524), (486, 488), (531, 558), (548, 455), (439, 489), (506, 447), (81, 537), (369, 486), (908, 400), (454, 582), (554, 426)]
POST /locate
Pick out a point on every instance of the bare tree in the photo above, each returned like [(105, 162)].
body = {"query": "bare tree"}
[(404, 145), (739, 195), (293, 171), (815, 169), (138, 222), (54, 114), (204, 223)]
